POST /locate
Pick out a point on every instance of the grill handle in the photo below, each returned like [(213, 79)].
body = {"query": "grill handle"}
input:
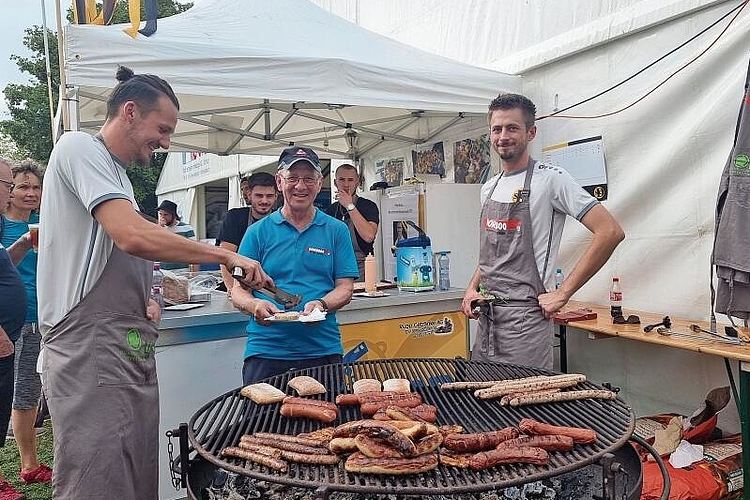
[(659, 462), (179, 465)]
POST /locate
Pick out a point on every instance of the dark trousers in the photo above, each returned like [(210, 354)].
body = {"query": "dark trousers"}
[(6, 394), (255, 368)]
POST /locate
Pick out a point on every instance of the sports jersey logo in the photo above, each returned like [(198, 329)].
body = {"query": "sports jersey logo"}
[(502, 225)]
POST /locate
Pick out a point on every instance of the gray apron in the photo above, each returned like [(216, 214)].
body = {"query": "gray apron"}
[(100, 381), (513, 329)]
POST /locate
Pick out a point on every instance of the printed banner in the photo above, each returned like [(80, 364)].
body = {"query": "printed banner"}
[(471, 160)]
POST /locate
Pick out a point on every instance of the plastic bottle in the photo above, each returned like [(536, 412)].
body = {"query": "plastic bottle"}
[(615, 298), (559, 278), (157, 285), (444, 271), (370, 273)]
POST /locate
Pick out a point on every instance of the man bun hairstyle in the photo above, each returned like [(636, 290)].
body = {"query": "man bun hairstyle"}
[(145, 90), (514, 101)]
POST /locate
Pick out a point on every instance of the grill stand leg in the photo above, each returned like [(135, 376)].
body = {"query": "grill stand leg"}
[(322, 493), (609, 468)]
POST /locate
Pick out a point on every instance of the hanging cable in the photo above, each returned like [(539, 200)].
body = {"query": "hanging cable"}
[(738, 9)]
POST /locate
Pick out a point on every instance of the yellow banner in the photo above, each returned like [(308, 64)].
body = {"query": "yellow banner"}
[(443, 335)]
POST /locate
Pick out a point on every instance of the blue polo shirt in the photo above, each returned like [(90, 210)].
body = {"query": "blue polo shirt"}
[(27, 267), (304, 262)]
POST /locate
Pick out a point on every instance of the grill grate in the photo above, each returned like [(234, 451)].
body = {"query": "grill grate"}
[(222, 421)]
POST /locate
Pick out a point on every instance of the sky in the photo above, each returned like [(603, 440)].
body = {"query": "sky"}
[(17, 16)]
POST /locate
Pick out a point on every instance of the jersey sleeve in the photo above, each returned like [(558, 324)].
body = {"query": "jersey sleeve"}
[(89, 171), (369, 211), (569, 197)]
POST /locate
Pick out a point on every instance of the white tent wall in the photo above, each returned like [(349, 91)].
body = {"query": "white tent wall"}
[(664, 156), (184, 175)]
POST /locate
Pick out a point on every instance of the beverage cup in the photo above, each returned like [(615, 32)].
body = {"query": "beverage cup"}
[(34, 232)]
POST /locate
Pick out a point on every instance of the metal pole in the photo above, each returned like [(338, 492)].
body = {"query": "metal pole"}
[(61, 63), (49, 72)]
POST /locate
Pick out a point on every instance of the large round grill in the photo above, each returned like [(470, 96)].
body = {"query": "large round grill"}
[(221, 422)]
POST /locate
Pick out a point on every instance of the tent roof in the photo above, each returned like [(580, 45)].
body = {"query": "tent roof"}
[(253, 76)]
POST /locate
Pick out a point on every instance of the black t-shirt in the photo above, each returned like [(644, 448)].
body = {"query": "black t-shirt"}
[(12, 297), (234, 226), (369, 211)]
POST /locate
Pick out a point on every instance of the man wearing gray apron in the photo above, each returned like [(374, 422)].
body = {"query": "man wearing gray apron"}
[(521, 225), (99, 325)]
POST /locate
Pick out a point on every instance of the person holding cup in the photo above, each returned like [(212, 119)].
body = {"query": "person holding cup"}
[(20, 219)]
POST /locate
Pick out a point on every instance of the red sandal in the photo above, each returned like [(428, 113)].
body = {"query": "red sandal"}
[(8, 492), (42, 474)]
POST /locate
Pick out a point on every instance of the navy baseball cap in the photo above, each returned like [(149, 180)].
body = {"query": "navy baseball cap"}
[(293, 154)]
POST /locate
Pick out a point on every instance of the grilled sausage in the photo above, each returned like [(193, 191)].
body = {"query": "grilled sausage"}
[(342, 445), (361, 464), (579, 435), (322, 435), (291, 439), (312, 412), (379, 430), (555, 382), (508, 455), (478, 441), (309, 401), (372, 408), (347, 399), (450, 429), (373, 448), (454, 458), (258, 458), (389, 397), (306, 458), (545, 442), (260, 448), (505, 400), (284, 445), (532, 399), (429, 443), (421, 413)]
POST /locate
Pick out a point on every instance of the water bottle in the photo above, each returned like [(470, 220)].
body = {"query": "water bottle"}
[(559, 277), (615, 298), (157, 285), (444, 271)]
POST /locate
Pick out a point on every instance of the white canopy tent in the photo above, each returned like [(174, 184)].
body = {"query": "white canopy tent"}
[(253, 76)]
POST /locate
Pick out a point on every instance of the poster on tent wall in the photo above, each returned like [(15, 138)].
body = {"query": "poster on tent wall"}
[(584, 160), (429, 161), (390, 170), (471, 160)]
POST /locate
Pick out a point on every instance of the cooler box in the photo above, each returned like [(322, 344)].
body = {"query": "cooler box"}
[(414, 269)]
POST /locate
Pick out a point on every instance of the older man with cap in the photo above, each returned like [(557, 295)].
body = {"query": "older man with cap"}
[(306, 252)]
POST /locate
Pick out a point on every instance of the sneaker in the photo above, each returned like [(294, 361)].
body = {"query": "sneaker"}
[(8, 492), (42, 474)]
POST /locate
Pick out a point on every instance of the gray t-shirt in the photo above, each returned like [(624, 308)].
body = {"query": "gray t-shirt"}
[(554, 195), (74, 248)]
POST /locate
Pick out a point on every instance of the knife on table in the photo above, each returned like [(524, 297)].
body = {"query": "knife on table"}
[(284, 298)]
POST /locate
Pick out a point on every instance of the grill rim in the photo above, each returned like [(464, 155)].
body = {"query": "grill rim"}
[(439, 478)]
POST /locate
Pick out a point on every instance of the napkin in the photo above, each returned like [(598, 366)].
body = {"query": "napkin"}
[(315, 315)]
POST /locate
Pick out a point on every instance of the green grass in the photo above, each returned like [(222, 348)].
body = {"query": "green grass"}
[(11, 465)]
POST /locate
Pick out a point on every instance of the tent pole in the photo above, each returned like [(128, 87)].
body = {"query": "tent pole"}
[(49, 72), (61, 64)]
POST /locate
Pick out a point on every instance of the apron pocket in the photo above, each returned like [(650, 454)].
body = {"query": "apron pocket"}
[(124, 347)]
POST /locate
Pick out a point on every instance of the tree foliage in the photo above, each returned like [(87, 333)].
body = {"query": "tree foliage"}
[(28, 132)]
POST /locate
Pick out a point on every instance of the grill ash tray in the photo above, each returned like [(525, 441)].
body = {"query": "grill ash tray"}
[(222, 421)]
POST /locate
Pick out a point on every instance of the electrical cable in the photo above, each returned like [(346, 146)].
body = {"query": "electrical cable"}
[(738, 9)]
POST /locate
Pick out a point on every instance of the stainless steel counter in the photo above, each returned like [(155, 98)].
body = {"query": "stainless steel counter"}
[(218, 319)]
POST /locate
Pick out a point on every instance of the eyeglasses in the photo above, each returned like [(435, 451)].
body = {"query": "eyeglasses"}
[(10, 185), (308, 181), (630, 320)]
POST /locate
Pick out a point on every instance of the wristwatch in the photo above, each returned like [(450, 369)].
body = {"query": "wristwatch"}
[(350, 207)]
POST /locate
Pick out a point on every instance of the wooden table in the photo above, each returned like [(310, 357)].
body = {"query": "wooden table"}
[(603, 326)]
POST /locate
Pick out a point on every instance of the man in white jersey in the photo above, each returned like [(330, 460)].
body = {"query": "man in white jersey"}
[(98, 324), (523, 213)]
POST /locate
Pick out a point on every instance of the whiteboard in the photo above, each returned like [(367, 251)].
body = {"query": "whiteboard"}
[(584, 160)]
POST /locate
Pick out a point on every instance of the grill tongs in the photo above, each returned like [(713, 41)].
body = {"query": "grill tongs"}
[(284, 298)]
